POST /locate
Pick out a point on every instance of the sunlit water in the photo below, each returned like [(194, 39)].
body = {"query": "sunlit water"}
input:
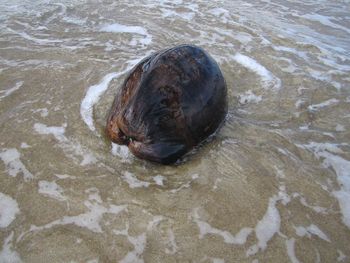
[(272, 186)]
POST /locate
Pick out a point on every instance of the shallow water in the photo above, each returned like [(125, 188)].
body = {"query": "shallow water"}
[(273, 185)]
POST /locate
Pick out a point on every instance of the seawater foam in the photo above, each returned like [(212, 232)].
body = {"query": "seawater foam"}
[(172, 246), (36, 40), (339, 128), (57, 131), (311, 230), (290, 243), (204, 229), (328, 152), (92, 97), (326, 103), (325, 20), (221, 13), (266, 227), (12, 161), (8, 210), (118, 28), (249, 97), (94, 93), (7, 255), (51, 189), (90, 219), (158, 179), (8, 92), (269, 225), (133, 182), (121, 151), (268, 79), (139, 242), (69, 147)]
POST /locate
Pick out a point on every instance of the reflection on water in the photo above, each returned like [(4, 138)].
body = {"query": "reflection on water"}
[(274, 184)]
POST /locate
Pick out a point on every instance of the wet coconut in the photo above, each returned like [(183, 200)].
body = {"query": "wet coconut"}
[(169, 103)]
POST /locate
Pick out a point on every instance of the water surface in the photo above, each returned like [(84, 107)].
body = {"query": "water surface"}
[(273, 185)]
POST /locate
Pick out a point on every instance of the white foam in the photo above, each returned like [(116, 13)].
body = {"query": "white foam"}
[(218, 11), (221, 13), (8, 210), (8, 92), (155, 222), (267, 227), (243, 37), (121, 151), (88, 158), (187, 15), (57, 131), (204, 229), (171, 13), (94, 93), (51, 189), (92, 97), (186, 184), (311, 230), (326, 103), (318, 256), (325, 20), (343, 197), (39, 41), (341, 256), (299, 103), (217, 181), (339, 128), (268, 79), (184, 15), (24, 145), (322, 76), (139, 243), (11, 158), (65, 176), (290, 250), (90, 219), (7, 255), (341, 166), (194, 176), (317, 209), (133, 182), (300, 54), (44, 112), (119, 28), (71, 148), (75, 20), (158, 179), (171, 248), (167, 12), (249, 97)]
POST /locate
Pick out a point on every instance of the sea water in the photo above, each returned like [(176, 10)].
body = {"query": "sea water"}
[(272, 186)]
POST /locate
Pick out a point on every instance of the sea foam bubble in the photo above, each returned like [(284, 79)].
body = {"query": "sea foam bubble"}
[(119, 28), (8, 210), (7, 254), (14, 165), (268, 79)]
